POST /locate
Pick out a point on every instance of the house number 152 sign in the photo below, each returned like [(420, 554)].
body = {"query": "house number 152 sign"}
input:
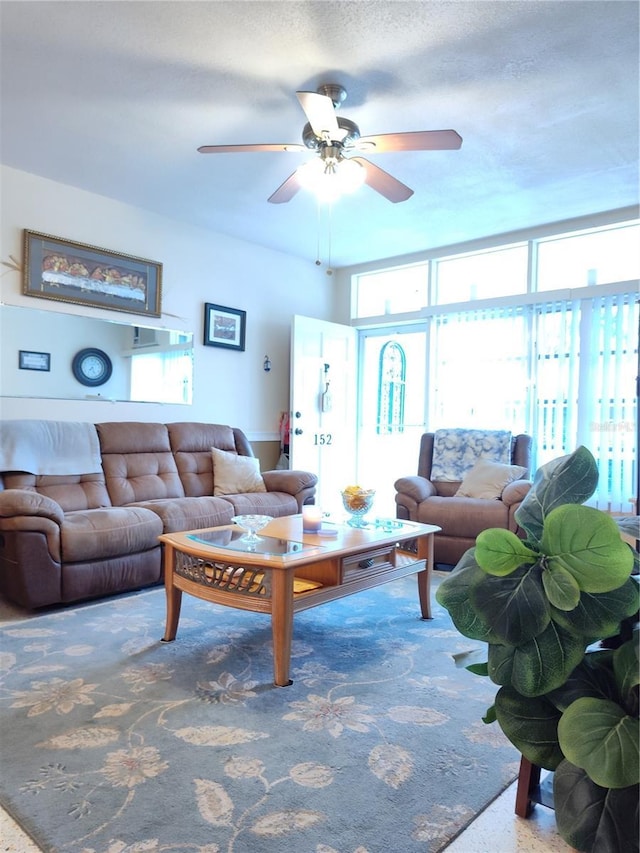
[(322, 438)]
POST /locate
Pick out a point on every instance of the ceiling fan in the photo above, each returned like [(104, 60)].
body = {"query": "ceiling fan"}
[(336, 140)]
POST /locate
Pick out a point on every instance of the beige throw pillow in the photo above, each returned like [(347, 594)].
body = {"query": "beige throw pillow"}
[(488, 479), (234, 474)]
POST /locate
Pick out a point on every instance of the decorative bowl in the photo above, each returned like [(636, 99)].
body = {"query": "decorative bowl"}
[(357, 502), (252, 524)]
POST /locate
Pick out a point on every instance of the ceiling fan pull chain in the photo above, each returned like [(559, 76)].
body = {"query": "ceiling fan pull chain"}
[(319, 209), (319, 224), (330, 208)]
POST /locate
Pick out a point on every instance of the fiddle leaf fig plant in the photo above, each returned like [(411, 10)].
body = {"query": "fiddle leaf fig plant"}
[(541, 603)]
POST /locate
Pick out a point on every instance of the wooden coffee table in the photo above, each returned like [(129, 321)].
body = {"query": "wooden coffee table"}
[(290, 570)]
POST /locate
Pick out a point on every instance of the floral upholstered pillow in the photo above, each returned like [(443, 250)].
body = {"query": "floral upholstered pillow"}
[(234, 474), (488, 479), (456, 451)]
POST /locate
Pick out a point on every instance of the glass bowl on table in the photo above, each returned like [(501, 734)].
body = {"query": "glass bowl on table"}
[(357, 502), (252, 524)]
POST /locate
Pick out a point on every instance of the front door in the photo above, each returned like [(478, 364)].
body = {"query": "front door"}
[(324, 405)]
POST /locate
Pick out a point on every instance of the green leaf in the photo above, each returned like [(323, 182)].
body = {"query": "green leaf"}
[(454, 595), (561, 587), (479, 668), (499, 552), (599, 615), (586, 542), (536, 667), (598, 736), (500, 663), (627, 672), (569, 479), (592, 818), (592, 677), (490, 715), (531, 725), (514, 607)]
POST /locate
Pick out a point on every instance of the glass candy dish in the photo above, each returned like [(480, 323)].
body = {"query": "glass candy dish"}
[(358, 503), (252, 524)]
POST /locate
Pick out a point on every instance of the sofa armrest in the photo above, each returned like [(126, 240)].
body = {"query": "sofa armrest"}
[(290, 482), (416, 488), (21, 502), (515, 493), (26, 512)]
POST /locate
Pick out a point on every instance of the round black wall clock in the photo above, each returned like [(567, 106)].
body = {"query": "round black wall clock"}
[(91, 367)]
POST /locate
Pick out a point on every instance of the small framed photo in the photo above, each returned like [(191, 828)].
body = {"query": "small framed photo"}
[(28, 360), (224, 327)]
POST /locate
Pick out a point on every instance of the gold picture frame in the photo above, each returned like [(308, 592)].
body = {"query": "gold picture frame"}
[(66, 271)]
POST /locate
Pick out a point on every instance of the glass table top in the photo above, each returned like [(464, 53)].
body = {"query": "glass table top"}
[(236, 540)]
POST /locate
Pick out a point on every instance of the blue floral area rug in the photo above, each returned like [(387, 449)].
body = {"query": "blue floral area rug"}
[(114, 742)]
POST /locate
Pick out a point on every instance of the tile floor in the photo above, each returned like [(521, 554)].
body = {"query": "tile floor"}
[(496, 830)]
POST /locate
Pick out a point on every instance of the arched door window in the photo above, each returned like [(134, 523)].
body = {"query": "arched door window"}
[(391, 386)]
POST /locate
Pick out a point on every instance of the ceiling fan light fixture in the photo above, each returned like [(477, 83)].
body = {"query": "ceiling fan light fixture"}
[(332, 174), (351, 175), (329, 178)]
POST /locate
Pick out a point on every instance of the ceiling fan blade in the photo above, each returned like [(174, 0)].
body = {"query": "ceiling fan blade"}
[(384, 183), (420, 140), (321, 114), (286, 190), (244, 149)]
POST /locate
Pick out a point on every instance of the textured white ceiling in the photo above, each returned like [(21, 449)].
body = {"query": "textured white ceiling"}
[(115, 98)]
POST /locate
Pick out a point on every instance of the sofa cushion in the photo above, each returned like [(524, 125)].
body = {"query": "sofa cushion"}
[(138, 462), (487, 480), (178, 514), (276, 504), (464, 517), (191, 444), (71, 491), (111, 532), (234, 474)]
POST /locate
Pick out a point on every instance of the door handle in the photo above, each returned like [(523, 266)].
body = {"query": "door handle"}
[(297, 431)]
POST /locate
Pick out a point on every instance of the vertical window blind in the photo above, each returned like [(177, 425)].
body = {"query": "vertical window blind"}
[(562, 371), (479, 369)]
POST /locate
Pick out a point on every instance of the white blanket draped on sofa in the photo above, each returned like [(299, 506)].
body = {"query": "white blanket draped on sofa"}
[(49, 447)]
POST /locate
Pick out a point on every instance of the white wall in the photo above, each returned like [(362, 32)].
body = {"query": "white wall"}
[(198, 266)]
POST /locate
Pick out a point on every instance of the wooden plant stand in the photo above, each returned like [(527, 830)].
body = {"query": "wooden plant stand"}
[(531, 790)]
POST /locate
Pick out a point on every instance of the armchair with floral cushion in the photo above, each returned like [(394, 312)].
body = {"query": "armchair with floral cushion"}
[(468, 481)]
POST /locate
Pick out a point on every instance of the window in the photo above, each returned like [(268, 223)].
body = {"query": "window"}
[(394, 291), (484, 275), (529, 359), (391, 388), (595, 257), (479, 370), (586, 368)]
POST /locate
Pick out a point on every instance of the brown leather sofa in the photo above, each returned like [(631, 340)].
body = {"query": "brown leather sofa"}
[(73, 535), (419, 498)]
